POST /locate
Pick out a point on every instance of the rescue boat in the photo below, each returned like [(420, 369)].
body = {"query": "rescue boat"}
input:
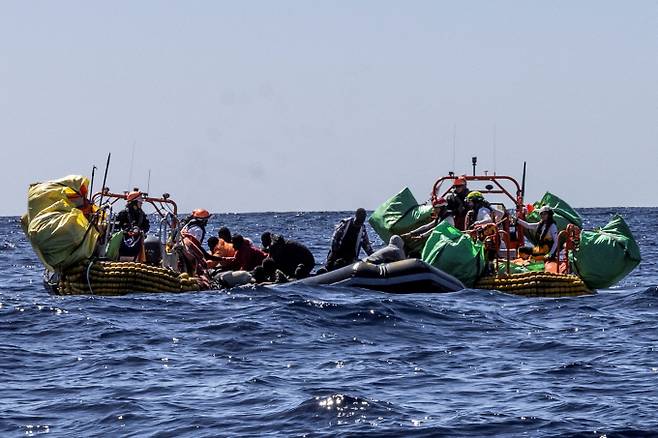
[(489, 256), (76, 240)]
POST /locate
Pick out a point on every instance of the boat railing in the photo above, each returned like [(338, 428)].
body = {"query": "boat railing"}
[(570, 237), (504, 237)]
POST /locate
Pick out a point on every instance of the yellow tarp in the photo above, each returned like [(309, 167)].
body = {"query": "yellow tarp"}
[(55, 224)]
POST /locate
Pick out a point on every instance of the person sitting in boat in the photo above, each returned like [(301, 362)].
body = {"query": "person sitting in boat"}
[(272, 273), (266, 241), (392, 252), (135, 224), (289, 254), (193, 260), (457, 202), (224, 247), (349, 238), (246, 257), (546, 234), (440, 213)]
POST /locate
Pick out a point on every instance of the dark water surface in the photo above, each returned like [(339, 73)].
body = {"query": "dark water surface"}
[(323, 361)]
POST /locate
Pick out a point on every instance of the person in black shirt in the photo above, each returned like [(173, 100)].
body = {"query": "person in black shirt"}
[(135, 224)]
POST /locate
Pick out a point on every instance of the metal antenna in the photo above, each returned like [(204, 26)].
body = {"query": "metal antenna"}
[(91, 186), (148, 184)]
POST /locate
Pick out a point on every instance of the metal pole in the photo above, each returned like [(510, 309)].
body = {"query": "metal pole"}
[(107, 166), (523, 182), (91, 186)]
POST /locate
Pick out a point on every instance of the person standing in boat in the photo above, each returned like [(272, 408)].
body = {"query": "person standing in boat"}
[(457, 202), (546, 234), (479, 212), (349, 238), (135, 224), (133, 216)]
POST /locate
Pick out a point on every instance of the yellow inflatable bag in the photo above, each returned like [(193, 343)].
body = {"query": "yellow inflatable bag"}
[(55, 224)]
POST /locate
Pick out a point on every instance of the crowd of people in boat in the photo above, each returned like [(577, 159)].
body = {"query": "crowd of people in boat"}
[(233, 259)]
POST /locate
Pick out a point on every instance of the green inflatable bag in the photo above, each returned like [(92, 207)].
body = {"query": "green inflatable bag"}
[(607, 255), (398, 215), (455, 253)]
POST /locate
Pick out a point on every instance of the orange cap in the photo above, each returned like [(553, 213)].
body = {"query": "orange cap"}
[(459, 181), (201, 213), (133, 195)]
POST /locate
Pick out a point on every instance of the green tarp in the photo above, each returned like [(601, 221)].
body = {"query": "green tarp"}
[(455, 253), (563, 213), (520, 269), (398, 215), (607, 255)]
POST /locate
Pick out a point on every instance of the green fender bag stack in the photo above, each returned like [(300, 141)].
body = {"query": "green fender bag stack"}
[(455, 253), (398, 215), (607, 255)]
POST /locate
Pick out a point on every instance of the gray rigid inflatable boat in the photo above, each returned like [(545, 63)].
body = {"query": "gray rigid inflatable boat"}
[(404, 276)]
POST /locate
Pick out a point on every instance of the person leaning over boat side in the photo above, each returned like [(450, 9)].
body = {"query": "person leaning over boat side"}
[(457, 201), (349, 237), (289, 254), (392, 252), (193, 260), (246, 257), (440, 213), (135, 224), (546, 233), (221, 246), (480, 212)]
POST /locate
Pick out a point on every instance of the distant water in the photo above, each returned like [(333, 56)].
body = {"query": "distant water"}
[(323, 361)]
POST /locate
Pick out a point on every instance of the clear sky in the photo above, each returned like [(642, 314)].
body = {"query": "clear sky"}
[(330, 105)]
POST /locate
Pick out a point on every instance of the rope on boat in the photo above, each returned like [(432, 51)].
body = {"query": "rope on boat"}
[(88, 277)]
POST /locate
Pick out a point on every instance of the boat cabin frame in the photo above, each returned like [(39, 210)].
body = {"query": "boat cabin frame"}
[(169, 224)]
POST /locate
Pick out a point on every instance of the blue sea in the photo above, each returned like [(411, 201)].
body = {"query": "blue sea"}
[(328, 361)]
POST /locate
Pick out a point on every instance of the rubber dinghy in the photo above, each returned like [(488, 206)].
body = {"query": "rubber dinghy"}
[(405, 276)]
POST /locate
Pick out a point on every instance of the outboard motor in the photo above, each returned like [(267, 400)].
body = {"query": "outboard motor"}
[(153, 250)]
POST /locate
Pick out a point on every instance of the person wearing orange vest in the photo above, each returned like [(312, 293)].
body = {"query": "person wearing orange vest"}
[(220, 246), (246, 257)]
